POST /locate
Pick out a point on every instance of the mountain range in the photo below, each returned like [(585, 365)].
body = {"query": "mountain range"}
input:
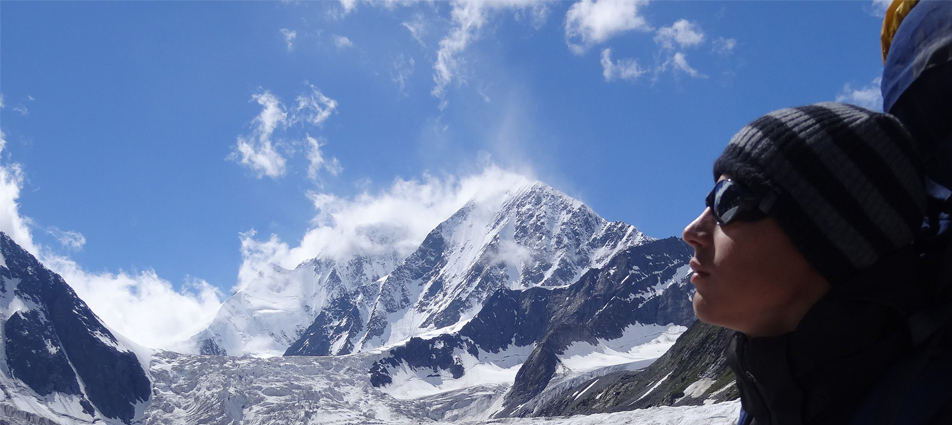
[(524, 304)]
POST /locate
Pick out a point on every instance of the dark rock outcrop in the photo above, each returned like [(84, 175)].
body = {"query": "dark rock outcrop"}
[(54, 341)]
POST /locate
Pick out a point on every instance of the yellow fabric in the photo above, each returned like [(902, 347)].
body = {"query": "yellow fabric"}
[(895, 13)]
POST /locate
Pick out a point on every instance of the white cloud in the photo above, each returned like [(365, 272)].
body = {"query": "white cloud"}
[(257, 151), (590, 22), (1, 101), (70, 239), (314, 108), (316, 160), (22, 110), (348, 5), (374, 223), (468, 17), (342, 42), (11, 223), (869, 97), (402, 70), (724, 46), (289, 37), (679, 62), (626, 69), (417, 28), (681, 34), (143, 307)]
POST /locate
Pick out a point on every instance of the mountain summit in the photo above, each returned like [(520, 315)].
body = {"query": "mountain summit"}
[(532, 235)]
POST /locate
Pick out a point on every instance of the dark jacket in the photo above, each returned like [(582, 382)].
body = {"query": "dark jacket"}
[(847, 346)]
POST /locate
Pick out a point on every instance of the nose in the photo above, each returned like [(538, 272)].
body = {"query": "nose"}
[(698, 232)]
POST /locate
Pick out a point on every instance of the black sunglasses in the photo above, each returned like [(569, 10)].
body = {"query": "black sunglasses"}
[(730, 201)]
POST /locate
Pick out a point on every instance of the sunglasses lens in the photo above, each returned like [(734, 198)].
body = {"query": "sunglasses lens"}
[(727, 199)]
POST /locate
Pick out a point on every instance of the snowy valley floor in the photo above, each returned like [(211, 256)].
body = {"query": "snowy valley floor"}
[(713, 414)]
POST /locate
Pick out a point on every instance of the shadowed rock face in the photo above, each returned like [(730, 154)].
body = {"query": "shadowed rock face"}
[(692, 372), (54, 342), (638, 285), (534, 236)]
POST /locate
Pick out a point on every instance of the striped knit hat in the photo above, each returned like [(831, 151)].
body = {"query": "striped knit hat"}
[(848, 180)]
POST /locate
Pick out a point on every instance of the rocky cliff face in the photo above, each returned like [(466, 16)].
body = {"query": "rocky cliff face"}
[(643, 285), (54, 345), (693, 372)]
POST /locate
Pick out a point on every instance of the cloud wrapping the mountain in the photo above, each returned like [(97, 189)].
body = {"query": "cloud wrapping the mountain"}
[(393, 220)]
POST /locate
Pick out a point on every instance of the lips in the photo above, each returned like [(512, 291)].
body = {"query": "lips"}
[(698, 269)]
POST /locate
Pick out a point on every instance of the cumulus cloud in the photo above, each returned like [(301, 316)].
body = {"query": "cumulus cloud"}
[(681, 34), (257, 150), (625, 69), (289, 37), (869, 96), (342, 42), (590, 22), (468, 17), (70, 239), (396, 220)]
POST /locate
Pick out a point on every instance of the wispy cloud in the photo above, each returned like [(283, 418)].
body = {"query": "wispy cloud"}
[(342, 42), (316, 160), (70, 239), (402, 70), (681, 34), (289, 37), (679, 63), (314, 107), (468, 17), (417, 28), (724, 46), (590, 22), (625, 69), (257, 150), (869, 96), (22, 110)]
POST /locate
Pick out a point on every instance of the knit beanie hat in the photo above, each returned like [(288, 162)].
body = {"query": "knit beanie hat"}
[(848, 182)]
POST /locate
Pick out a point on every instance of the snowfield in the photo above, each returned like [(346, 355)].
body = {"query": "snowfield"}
[(190, 389)]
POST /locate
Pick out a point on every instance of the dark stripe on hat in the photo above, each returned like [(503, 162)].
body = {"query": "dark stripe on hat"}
[(895, 131), (811, 169), (784, 177), (812, 242), (874, 167)]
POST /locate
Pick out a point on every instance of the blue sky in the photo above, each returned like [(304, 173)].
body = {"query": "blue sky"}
[(145, 141)]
